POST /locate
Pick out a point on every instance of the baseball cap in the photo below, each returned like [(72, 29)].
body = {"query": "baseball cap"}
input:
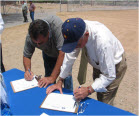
[(72, 30)]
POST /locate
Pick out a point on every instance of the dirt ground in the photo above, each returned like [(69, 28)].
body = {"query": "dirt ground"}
[(123, 24)]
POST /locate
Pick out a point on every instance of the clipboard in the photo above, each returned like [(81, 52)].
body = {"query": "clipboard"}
[(19, 90), (14, 87), (75, 109)]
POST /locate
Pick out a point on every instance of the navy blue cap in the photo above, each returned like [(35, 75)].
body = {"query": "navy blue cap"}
[(72, 30)]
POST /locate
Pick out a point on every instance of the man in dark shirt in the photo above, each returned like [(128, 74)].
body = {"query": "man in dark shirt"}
[(46, 35)]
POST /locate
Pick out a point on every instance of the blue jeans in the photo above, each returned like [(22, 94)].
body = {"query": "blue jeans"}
[(49, 64), (32, 15)]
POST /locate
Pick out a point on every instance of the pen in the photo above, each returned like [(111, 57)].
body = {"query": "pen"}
[(29, 71), (79, 87)]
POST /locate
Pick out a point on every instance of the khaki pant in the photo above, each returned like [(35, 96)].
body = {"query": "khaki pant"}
[(108, 97)]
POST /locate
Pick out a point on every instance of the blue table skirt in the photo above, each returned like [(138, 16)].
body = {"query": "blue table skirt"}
[(28, 102)]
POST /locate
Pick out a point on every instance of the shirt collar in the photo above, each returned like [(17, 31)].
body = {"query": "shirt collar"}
[(89, 38)]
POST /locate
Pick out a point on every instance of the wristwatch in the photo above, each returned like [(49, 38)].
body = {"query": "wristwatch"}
[(89, 91)]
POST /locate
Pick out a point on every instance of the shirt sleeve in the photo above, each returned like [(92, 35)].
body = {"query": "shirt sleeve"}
[(33, 6), (68, 62), (59, 39), (107, 67), (57, 33), (28, 48)]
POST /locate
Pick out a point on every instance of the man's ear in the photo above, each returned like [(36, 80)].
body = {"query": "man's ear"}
[(87, 34)]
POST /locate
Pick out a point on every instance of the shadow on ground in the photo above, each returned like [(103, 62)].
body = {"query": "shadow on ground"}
[(12, 18)]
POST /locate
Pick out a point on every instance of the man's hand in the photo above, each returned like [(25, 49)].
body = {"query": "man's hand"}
[(83, 92), (28, 75), (57, 86), (80, 93), (45, 81)]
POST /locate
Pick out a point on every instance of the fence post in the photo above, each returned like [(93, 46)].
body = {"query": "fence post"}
[(60, 5), (67, 5)]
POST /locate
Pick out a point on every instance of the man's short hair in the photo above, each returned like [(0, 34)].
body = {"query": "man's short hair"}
[(38, 27)]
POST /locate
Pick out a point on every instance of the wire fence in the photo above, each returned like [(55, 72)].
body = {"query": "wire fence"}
[(86, 5), (8, 7)]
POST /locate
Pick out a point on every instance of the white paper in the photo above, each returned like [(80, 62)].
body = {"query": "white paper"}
[(61, 102), (43, 114), (22, 84)]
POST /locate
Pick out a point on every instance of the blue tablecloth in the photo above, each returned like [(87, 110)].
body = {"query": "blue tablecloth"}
[(28, 102)]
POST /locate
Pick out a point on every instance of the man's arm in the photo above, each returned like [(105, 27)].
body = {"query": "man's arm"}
[(59, 62), (66, 67), (27, 54), (44, 82), (27, 65), (68, 62), (107, 68)]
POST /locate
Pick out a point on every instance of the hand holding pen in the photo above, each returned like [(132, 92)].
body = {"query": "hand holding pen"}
[(29, 71), (80, 93), (77, 101), (28, 75)]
